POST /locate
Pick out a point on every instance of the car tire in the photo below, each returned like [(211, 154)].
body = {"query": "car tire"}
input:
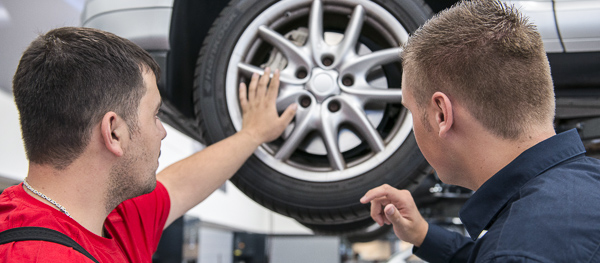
[(305, 183)]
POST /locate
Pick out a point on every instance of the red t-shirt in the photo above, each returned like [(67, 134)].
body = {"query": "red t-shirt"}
[(134, 227)]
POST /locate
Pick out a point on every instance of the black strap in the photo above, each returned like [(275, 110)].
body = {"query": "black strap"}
[(43, 234)]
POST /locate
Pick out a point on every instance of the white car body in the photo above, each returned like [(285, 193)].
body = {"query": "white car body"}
[(565, 25)]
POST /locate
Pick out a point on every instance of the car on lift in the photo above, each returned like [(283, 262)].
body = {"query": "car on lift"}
[(339, 60)]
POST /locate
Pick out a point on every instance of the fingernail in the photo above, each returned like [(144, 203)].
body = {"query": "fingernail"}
[(390, 211)]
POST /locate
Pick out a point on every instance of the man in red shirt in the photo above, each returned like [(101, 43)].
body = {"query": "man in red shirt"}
[(88, 102)]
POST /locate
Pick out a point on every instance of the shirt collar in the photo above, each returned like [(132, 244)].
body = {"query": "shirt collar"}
[(479, 211)]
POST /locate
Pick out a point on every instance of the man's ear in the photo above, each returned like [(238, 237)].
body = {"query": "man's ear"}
[(114, 130), (443, 112)]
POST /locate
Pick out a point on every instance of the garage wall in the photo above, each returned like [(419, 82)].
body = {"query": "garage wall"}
[(22, 20), (13, 164)]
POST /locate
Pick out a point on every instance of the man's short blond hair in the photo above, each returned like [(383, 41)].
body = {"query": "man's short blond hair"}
[(487, 56)]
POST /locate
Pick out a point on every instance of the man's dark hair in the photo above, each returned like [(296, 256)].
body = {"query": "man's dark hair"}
[(67, 80)]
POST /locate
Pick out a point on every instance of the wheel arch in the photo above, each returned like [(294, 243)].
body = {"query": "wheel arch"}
[(190, 23), (438, 5)]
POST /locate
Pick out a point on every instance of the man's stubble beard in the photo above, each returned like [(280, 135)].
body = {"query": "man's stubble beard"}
[(131, 177)]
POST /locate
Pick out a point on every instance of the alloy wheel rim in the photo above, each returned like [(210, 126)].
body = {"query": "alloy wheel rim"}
[(337, 132)]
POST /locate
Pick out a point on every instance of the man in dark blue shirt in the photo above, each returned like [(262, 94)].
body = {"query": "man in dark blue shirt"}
[(541, 207), (477, 81)]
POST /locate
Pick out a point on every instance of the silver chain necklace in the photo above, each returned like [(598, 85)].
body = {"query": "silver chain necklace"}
[(62, 208)]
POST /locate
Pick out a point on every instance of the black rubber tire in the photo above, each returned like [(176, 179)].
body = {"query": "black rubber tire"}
[(313, 204)]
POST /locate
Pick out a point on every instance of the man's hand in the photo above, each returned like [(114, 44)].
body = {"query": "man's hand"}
[(192, 179), (397, 207), (260, 118)]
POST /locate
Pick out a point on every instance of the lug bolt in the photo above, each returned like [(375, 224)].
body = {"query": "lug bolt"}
[(334, 106), (347, 81), (301, 73), (327, 61), (305, 101)]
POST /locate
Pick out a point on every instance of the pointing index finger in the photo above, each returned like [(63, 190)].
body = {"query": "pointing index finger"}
[(383, 191)]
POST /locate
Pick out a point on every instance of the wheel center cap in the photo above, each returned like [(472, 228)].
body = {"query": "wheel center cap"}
[(323, 84)]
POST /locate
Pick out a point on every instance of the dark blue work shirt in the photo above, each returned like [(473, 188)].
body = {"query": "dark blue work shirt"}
[(544, 206)]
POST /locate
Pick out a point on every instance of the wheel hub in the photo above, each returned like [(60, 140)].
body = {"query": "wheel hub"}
[(323, 84)]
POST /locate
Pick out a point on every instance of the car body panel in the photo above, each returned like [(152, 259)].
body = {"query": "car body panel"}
[(541, 13), (148, 21), (145, 22), (570, 16)]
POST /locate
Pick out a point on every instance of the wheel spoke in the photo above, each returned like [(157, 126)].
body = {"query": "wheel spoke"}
[(315, 31), (329, 131), (285, 77), (248, 69), (352, 32), (291, 144), (358, 119), (305, 122), (294, 54), (360, 68), (363, 64), (370, 94), (288, 96)]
